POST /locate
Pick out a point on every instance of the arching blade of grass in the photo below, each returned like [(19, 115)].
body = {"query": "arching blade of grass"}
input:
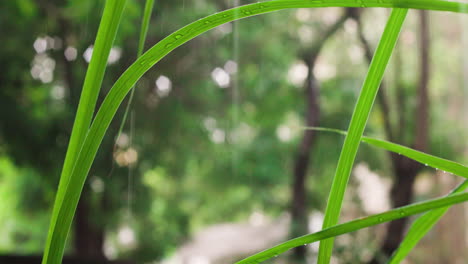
[(421, 227), (107, 31), (356, 128), (355, 225), (424, 158), (73, 177)]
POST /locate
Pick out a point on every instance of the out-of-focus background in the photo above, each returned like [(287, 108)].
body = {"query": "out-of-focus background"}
[(213, 163)]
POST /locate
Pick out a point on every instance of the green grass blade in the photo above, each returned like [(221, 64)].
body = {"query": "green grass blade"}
[(105, 38), (429, 160), (355, 225), (421, 227), (424, 158), (141, 45), (357, 125), (72, 185), (145, 25)]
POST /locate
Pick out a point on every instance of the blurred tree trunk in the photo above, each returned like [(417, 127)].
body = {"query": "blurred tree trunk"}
[(88, 235), (405, 169), (299, 221), (301, 164)]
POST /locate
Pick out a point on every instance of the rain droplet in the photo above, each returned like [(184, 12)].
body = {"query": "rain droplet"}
[(380, 219), (145, 62), (178, 36)]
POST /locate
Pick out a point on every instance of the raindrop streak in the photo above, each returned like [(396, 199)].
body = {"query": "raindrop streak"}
[(130, 168)]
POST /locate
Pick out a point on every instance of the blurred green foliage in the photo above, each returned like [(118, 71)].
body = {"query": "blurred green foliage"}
[(205, 154)]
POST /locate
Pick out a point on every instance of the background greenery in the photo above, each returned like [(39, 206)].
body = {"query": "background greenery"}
[(200, 154)]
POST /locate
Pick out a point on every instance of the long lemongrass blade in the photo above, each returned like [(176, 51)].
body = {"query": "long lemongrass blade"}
[(355, 225), (356, 128), (107, 31), (424, 158)]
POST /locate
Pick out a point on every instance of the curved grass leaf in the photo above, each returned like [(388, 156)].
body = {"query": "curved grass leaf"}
[(107, 31), (356, 128), (421, 227), (73, 177), (355, 225), (424, 158)]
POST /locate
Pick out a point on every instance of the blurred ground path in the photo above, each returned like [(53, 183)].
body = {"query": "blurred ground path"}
[(224, 243)]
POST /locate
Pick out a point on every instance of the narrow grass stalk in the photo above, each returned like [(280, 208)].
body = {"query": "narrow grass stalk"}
[(356, 128), (421, 157), (104, 40), (421, 227), (355, 225), (141, 46)]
